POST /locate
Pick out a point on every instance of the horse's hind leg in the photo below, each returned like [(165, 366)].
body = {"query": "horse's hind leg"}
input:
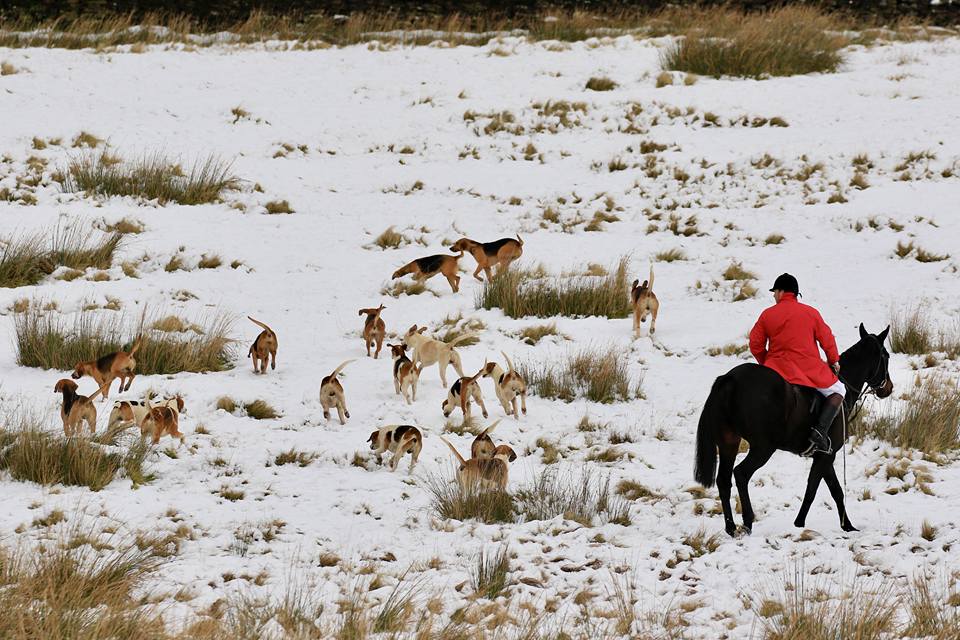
[(755, 459), (728, 453), (813, 483), (830, 477)]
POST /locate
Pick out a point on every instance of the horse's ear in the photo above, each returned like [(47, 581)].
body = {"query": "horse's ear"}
[(863, 332), (883, 334)]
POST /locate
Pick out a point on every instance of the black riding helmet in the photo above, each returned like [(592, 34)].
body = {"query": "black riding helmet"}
[(786, 282)]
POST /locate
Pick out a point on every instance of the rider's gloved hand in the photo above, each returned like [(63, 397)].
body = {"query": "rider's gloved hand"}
[(836, 367)]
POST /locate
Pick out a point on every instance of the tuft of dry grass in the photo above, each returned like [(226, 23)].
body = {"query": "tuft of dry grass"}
[(451, 501), (49, 341), (664, 79), (736, 272), (390, 239), (32, 453), (278, 207), (535, 333), (489, 576), (260, 410), (581, 496), (600, 84), (27, 259), (520, 293), (670, 255), (212, 261), (912, 332), (152, 177), (600, 375), (927, 421), (786, 41)]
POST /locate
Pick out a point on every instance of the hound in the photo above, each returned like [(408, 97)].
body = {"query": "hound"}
[(130, 412), (160, 421), (106, 369), (460, 394), (427, 351), (331, 394), (406, 375), (508, 386), (374, 329), (491, 473), (398, 440), (265, 345), (425, 268), (644, 301), (76, 408), (488, 254)]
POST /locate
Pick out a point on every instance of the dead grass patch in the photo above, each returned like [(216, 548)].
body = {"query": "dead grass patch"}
[(50, 341), (521, 293)]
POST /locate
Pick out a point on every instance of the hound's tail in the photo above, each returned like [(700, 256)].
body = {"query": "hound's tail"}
[(103, 387), (466, 336), (455, 452), (136, 345), (260, 324), (651, 277), (509, 362), (340, 368), (519, 239), (489, 430)]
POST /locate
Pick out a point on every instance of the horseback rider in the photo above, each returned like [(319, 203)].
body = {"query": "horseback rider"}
[(793, 331)]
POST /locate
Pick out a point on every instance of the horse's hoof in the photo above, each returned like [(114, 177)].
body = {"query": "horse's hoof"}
[(800, 523), (732, 530), (848, 527), (747, 529)]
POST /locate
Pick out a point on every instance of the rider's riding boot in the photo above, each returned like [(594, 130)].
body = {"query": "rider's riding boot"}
[(819, 440)]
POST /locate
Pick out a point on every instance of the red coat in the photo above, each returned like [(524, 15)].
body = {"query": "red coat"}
[(793, 330)]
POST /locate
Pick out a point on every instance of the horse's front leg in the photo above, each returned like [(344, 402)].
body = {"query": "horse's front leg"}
[(830, 477), (813, 483), (756, 458)]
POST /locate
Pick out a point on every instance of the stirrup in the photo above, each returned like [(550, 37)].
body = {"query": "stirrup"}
[(817, 447)]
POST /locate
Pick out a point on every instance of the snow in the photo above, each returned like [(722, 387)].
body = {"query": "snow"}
[(307, 274)]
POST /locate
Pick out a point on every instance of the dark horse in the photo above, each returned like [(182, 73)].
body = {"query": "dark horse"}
[(755, 403)]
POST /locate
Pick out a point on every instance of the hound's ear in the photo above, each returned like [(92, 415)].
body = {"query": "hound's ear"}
[(421, 329), (863, 332), (373, 436), (412, 329), (883, 334), (635, 283), (644, 285), (360, 313)]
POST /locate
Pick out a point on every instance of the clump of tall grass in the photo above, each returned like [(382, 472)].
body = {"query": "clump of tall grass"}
[(489, 575), (31, 454), (912, 332), (520, 293), (68, 590), (579, 496), (451, 501), (786, 41), (27, 259), (926, 421), (600, 375), (49, 341), (814, 613), (153, 177), (390, 239)]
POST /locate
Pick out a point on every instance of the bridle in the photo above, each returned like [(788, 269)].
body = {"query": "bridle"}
[(874, 381)]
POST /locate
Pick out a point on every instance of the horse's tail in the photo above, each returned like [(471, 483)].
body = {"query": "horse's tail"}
[(715, 412)]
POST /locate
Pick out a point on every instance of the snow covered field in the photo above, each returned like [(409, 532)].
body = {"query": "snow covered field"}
[(380, 138)]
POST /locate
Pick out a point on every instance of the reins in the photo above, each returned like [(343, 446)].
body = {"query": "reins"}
[(857, 407)]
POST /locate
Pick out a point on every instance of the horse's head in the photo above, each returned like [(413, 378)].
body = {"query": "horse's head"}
[(868, 360)]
